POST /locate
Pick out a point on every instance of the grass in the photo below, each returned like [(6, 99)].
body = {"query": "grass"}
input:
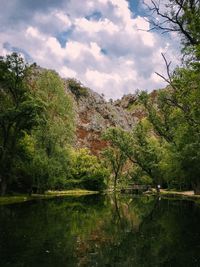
[(182, 193), (13, 199), (172, 194), (81, 192), (47, 195)]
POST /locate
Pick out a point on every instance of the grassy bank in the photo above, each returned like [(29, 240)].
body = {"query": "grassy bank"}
[(171, 194), (47, 195)]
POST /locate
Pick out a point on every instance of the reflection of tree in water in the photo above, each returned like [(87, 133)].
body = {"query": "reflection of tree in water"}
[(118, 230), (123, 215), (45, 233), (64, 232), (144, 232)]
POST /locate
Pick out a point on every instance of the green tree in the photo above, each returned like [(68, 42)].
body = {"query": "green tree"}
[(115, 158), (19, 113), (54, 136), (140, 147), (87, 171), (58, 128), (175, 114), (175, 118)]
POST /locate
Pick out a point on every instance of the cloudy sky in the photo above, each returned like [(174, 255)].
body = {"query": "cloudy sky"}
[(103, 43)]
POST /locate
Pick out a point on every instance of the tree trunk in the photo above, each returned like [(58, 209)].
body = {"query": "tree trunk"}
[(3, 186), (196, 187), (115, 182)]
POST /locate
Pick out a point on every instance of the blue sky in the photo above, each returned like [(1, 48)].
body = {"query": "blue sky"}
[(103, 43)]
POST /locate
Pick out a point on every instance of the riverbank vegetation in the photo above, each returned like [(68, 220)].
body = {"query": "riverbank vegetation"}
[(37, 133), (37, 125), (164, 147), (12, 199)]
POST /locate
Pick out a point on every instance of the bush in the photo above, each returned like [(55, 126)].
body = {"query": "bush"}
[(87, 171), (77, 88)]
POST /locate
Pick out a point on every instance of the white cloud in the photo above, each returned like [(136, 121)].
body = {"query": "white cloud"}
[(55, 47), (33, 32), (95, 26), (143, 27), (99, 79), (63, 18), (67, 73), (76, 50), (112, 53)]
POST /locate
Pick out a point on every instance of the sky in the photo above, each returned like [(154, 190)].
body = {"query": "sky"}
[(105, 44)]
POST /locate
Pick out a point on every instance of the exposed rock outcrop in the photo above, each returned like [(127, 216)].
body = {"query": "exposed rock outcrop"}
[(131, 104), (93, 116), (126, 101)]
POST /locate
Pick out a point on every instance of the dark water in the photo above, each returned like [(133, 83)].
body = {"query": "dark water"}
[(100, 231)]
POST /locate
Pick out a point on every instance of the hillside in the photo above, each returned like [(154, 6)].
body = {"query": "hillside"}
[(94, 114)]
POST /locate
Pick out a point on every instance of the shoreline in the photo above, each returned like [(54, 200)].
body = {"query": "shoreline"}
[(184, 195), (13, 199), (19, 198)]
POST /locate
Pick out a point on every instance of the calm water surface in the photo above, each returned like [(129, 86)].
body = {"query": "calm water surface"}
[(100, 231)]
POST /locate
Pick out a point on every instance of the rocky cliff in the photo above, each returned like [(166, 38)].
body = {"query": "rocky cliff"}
[(94, 115)]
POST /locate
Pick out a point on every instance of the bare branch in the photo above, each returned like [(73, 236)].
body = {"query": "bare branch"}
[(174, 20), (163, 77)]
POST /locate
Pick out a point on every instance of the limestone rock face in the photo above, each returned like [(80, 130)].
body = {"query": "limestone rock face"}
[(93, 116), (126, 101), (131, 104)]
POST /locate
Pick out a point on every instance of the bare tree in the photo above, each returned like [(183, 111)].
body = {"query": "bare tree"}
[(180, 16)]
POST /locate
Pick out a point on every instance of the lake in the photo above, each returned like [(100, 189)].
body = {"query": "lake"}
[(100, 230)]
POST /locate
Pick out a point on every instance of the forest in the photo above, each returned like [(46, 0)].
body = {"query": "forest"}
[(37, 124)]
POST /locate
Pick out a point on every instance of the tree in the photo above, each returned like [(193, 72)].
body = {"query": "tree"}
[(175, 118), (181, 16), (54, 135), (139, 146), (58, 126), (115, 158), (36, 127), (19, 113), (175, 114), (87, 171)]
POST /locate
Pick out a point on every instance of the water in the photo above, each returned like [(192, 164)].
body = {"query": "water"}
[(100, 231)]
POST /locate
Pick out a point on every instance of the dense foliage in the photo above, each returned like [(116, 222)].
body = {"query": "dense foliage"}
[(87, 171), (19, 114), (37, 131), (37, 123), (165, 146)]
